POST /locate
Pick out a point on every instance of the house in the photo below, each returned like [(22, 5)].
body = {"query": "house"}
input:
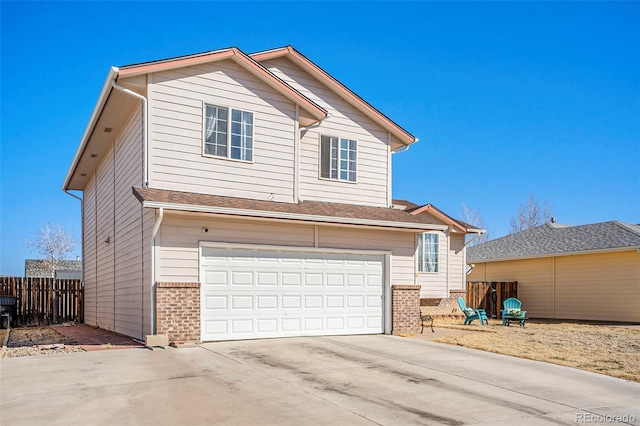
[(65, 270), (235, 196), (587, 272)]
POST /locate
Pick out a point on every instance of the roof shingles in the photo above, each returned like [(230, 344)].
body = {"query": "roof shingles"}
[(336, 211), (552, 239)]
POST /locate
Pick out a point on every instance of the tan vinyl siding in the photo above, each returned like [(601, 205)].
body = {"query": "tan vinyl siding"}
[(114, 272), (128, 284), (400, 244), (345, 121), (89, 253), (105, 250), (436, 284), (177, 98), (180, 236), (534, 277), (457, 263), (598, 286)]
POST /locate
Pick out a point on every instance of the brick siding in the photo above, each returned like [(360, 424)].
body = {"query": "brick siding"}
[(405, 310), (178, 311)]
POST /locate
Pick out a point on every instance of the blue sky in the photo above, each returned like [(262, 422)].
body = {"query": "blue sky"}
[(508, 99)]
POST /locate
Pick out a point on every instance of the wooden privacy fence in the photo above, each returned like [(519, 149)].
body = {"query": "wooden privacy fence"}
[(490, 295), (45, 300)]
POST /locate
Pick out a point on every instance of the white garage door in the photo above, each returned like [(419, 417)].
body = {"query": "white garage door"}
[(256, 293)]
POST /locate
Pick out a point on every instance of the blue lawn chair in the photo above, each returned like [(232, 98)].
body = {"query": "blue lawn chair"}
[(472, 314), (512, 311)]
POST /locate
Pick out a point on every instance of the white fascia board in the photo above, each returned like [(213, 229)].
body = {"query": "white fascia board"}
[(292, 216), (102, 99), (569, 253)]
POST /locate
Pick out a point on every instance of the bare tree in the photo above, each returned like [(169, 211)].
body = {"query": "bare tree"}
[(530, 215), (53, 243), (473, 217)]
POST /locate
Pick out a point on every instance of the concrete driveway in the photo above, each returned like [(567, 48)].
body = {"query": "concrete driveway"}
[(356, 380)]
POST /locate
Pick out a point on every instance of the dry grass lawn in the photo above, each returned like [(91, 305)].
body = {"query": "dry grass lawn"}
[(605, 349)]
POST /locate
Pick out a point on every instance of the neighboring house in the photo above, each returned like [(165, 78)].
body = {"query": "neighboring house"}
[(66, 269), (232, 196), (588, 272)]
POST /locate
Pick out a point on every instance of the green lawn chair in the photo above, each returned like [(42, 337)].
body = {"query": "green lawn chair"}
[(472, 314), (512, 311)]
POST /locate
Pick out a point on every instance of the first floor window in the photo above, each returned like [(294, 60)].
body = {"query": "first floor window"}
[(428, 252), (338, 158), (228, 133)]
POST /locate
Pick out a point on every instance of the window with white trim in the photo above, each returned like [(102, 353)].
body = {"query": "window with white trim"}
[(338, 158), (428, 252), (228, 133)]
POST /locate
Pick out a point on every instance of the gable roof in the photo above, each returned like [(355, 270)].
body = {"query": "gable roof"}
[(459, 225), (556, 240), (236, 55), (344, 92), (113, 107), (307, 211)]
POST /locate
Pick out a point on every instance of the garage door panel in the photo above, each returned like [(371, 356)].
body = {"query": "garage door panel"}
[(335, 280), (242, 326), (242, 278), (374, 302), (291, 279), (313, 301), (291, 302), (215, 278), (260, 293), (355, 301), (267, 302), (241, 303), (267, 278), (215, 302)]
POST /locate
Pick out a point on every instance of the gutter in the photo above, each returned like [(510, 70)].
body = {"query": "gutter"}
[(297, 137), (66, 191), (480, 233), (292, 216), (571, 253), (404, 148)]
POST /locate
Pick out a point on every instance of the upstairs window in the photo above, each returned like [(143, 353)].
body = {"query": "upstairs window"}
[(228, 133), (338, 158), (428, 252)]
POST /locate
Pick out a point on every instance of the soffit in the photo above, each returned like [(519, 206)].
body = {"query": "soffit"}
[(114, 115)]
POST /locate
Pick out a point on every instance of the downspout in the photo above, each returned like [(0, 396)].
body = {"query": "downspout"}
[(156, 227), (66, 191), (145, 129), (296, 157), (298, 137), (389, 182), (474, 238), (448, 256)]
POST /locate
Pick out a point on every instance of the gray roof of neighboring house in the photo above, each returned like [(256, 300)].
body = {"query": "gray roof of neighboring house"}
[(67, 269), (554, 239)]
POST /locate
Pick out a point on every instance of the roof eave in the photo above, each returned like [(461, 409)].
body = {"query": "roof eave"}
[(401, 134), (317, 112), (289, 216), (97, 110), (543, 255), (445, 218)]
